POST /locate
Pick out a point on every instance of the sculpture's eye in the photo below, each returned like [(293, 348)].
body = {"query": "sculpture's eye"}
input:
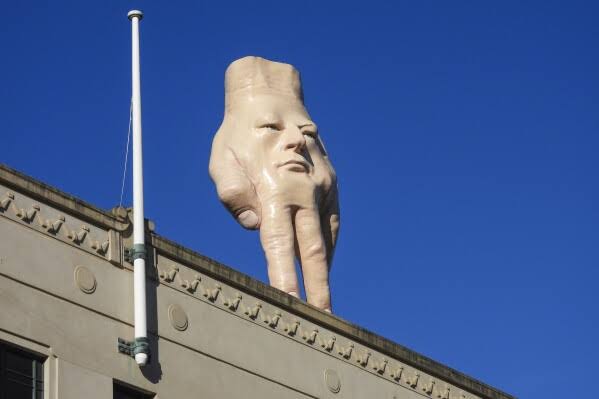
[(277, 126), (309, 129)]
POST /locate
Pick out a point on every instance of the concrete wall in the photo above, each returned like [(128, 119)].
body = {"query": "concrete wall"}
[(67, 293)]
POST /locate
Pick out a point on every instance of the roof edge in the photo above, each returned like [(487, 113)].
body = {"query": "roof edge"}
[(60, 199)]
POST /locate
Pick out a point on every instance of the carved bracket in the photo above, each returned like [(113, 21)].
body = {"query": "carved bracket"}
[(328, 344), (5, 202), (170, 275), (380, 367), (53, 227), (362, 359), (443, 394), (428, 388), (413, 380), (346, 352), (191, 286), (310, 337), (396, 374), (253, 311), (78, 236), (233, 304), (273, 320), (211, 293), (291, 328)]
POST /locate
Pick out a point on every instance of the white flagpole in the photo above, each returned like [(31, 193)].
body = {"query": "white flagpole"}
[(141, 348)]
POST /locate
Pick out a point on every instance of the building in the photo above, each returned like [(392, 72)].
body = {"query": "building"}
[(66, 310)]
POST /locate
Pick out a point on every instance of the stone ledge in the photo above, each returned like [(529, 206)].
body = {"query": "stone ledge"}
[(63, 201)]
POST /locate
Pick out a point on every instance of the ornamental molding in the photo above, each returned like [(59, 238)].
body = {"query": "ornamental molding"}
[(241, 304), (53, 223)]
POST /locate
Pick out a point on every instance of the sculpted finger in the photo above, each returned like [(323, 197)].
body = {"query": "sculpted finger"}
[(330, 221), (313, 257), (235, 190), (330, 228), (277, 237)]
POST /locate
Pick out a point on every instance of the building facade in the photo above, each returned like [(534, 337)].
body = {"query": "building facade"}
[(66, 314)]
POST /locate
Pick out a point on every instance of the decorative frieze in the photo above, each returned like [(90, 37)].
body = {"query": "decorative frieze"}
[(51, 222), (287, 324)]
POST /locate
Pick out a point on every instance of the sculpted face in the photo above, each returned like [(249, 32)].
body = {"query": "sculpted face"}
[(272, 172), (277, 143), (277, 134)]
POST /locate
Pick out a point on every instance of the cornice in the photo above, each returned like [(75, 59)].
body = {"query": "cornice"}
[(61, 200)]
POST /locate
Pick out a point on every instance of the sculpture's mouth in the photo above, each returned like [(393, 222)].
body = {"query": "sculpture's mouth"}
[(297, 165)]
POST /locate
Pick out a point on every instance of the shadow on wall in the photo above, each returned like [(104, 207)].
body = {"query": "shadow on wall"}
[(153, 370)]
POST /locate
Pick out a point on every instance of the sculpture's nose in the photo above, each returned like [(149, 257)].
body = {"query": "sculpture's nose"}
[(294, 139)]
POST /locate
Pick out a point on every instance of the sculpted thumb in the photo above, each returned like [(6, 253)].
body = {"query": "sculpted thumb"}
[(249, 219)]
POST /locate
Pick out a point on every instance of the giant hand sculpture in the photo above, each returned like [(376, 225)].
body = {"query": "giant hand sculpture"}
[(272, 173)]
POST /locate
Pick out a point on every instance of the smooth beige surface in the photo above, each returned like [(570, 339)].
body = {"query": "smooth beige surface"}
[(272, 173), (75, 382)]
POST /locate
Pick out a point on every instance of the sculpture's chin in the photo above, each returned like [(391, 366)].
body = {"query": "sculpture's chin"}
[(249, 219)]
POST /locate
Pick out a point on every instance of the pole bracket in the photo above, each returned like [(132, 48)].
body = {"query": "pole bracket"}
[(132, 348), (138, 251)]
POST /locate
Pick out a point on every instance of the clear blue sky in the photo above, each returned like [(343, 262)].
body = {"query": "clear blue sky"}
[(465, 136)]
